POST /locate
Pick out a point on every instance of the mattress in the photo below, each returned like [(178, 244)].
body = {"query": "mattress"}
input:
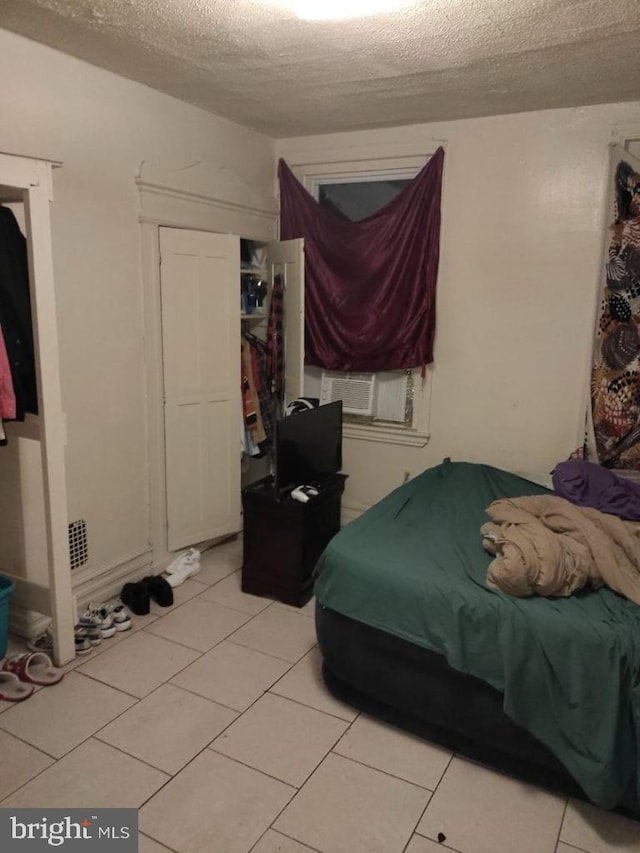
[(567, 669), (415, 689)]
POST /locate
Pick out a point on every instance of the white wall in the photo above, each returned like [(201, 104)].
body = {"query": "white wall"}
[(521, 238), (102, 128), (520, 251)]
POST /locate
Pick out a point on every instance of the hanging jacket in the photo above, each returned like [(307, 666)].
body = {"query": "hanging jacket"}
[(251, 403), (7, 395), (275, 338), (15, 313)]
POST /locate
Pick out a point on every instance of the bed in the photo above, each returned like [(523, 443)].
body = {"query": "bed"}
[(545, 689)]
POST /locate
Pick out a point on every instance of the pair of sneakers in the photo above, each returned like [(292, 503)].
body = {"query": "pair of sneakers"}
[(103, 621), (95, 624), (184, 565), (83, 643)]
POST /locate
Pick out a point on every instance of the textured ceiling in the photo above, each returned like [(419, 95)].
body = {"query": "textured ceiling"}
[(257, 64)]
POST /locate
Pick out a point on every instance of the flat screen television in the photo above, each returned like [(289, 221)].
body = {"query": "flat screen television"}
[(308, 447)]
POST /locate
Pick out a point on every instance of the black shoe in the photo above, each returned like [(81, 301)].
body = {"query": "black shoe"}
[(159, 590), (135, 596)]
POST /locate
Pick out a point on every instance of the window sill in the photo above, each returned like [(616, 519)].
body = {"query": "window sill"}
[(386, 434)]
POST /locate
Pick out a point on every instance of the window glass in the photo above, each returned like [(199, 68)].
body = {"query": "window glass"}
[(356, 200)]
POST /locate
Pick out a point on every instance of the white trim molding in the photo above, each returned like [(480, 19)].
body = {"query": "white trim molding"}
[(169, 206), (386, 434), (204, 197), (625, 134)]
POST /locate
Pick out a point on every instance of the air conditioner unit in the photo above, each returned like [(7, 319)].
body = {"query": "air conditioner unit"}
[(356, 390)]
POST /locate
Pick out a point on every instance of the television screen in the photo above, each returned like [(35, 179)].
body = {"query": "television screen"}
[(308, 447)]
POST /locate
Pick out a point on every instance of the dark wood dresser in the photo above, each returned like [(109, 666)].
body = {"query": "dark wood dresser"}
[(284, 538)]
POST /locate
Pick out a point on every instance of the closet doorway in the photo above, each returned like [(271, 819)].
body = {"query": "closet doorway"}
[(26, 184), (193, 203), (201, 344), (190, 201), (199, 286)]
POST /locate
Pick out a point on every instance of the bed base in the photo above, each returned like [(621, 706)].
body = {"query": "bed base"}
[(416, 689)]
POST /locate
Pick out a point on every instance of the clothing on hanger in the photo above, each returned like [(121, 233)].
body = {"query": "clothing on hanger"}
[(251, 403), (7, 394), (263, 384), (275, 338), (15, 313)]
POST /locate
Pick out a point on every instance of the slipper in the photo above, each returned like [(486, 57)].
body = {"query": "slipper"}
[(33, 668), (12, 689), (159, 590)]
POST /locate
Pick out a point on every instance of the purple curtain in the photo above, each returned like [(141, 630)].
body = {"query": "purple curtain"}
[(370, 286)]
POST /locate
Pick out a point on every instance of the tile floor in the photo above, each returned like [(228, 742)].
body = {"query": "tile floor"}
[(211, 717)]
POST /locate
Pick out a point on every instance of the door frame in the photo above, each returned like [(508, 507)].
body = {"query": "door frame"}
[(163, 202), (28, 180)]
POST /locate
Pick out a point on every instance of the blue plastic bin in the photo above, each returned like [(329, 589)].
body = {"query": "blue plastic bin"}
[(6, 590)]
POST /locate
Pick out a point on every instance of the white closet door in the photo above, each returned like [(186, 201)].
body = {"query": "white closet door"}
[(286, 258), (200, 297)]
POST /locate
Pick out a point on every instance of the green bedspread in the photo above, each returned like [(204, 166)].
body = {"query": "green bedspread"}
[(569, 668)]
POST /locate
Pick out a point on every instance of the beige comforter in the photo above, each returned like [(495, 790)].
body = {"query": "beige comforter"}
[(546, 545)]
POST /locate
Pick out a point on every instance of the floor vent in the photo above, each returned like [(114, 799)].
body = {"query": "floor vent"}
[(78, 548)]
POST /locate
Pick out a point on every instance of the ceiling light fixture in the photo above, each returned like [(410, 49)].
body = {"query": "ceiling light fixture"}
[(333, 10)]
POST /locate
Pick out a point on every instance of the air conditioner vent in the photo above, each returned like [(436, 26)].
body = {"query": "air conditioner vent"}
[(78, 546), (356, 390)]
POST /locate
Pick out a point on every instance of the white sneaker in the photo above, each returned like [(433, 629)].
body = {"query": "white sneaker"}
[(98, 619), (183, 567), (120, 615), (187, 559)]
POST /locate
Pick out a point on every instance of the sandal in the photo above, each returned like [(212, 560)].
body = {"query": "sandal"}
[(12, 689), (33, 668)]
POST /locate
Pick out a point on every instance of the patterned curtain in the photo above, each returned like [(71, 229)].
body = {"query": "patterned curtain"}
[(615, 379)]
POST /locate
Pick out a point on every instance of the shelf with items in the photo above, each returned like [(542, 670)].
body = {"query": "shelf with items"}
[(254, 296), (253, 256), (253, 277)]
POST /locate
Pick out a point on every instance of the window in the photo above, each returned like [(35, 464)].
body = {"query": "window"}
[(352, 199), (400, 398)]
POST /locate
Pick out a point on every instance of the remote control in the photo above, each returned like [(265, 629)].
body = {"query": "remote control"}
[(303, 493)]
